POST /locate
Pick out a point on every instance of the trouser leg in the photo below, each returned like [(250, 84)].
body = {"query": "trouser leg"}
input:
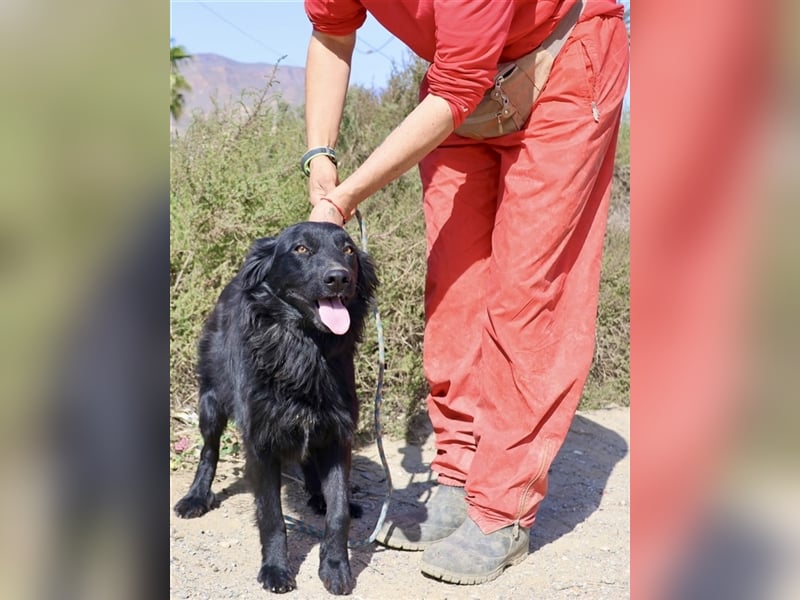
[(460, 198), (515, 235), (543, 277)]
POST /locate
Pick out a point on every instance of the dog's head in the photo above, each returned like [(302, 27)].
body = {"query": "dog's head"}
[(316, 269)]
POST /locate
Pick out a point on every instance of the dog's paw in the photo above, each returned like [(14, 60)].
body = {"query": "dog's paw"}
[(356, 511), (276, 579), (190, 507), (336, 577), (318, 505)]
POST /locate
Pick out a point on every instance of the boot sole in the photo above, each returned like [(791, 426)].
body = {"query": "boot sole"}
[(386, 538), (467, 579), (404, 545), (397, 543)]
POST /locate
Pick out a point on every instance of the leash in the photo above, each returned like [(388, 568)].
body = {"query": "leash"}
[(297, 524)]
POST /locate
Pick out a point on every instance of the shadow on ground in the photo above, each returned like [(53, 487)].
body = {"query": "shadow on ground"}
[(368, 490), (577, 480)]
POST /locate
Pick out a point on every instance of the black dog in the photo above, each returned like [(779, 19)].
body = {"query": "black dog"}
[(276, 355)]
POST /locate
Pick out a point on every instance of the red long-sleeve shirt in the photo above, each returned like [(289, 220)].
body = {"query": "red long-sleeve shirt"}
[(463, 40)]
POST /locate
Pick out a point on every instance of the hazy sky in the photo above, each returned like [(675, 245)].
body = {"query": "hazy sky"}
[(263, 31), (266, 30)]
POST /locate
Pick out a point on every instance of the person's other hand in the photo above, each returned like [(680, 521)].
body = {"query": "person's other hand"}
[(322, 179), (324, 210)]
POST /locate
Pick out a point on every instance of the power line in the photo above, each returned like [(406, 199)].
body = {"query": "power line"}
[(381, 47), (378, 50), (240, 30)]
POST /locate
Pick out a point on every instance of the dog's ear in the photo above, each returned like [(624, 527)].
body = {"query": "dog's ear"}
[(367, 278), (258, 262)]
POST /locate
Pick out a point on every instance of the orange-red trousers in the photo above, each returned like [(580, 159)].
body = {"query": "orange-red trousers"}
[(515, 229)]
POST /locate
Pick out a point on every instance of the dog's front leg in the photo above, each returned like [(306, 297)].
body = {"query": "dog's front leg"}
[(334, 563), (265, 479)]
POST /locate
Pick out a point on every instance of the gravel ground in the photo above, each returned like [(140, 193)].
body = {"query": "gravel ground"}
[(579, 546)]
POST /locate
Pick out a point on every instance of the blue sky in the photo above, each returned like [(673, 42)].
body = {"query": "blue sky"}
[(265, 30)]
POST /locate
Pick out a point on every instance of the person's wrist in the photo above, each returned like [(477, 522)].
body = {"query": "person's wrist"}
[(317, 152), (323, 173), (342, 213)]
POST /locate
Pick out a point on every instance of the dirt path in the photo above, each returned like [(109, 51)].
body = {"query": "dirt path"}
[(579, 546)]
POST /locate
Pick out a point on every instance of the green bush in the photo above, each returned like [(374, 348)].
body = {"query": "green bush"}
[(609, 378), (234, 177)]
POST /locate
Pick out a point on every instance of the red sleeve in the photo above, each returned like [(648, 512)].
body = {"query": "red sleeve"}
[(469, 39), (335, 17)]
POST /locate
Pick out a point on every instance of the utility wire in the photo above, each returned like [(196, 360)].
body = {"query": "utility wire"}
[(378, 50), (240, 30)]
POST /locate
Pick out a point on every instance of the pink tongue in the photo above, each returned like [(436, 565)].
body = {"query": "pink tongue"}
[(334, 315)]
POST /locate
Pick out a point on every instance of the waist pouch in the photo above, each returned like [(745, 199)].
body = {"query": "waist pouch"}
[(507, 105)]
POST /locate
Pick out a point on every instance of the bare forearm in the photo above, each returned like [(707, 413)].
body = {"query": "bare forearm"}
[(327, 77), (421, 131)]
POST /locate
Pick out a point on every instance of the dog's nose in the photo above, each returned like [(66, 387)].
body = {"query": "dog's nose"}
[(336, 279)]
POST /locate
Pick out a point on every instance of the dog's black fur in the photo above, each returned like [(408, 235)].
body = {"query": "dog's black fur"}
[(268, 361)]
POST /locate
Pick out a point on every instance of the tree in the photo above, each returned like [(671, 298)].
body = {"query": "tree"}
[(177, 82)]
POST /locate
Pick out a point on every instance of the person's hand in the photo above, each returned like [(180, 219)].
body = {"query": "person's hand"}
[(325, 210), (322, 179)]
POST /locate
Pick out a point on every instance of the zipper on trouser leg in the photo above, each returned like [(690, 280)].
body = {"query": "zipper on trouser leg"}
[(595, 112), (548, 450)]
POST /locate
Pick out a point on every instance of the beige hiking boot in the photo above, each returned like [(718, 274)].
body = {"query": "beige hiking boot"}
[(417, 529), (469, 556)]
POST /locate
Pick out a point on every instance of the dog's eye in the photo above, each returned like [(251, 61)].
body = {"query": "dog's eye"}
[(301, 249), (348, 250)]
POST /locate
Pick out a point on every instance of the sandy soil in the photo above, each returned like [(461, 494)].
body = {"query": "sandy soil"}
[(579, 545)]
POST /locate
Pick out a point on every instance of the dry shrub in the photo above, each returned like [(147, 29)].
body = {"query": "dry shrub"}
[(234, 177)]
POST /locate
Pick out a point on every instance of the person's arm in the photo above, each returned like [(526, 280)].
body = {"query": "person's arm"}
[(327, 77), (420, 132)]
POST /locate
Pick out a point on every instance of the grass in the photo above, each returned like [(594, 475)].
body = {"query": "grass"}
[(234, 177)]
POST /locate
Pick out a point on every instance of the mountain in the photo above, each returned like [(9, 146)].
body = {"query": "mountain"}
[(213, 77)]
